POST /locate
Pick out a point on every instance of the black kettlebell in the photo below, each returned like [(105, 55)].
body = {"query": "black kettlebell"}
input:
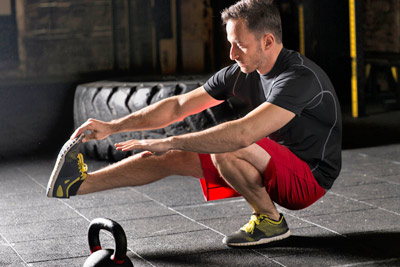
[(107, 257)]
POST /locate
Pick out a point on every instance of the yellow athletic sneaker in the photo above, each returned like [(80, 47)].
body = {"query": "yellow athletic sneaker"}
[(69, 171), (259, 230)]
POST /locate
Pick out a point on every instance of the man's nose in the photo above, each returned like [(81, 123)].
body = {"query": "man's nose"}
[(233, 53)]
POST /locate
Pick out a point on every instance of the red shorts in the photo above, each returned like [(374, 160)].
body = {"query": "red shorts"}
[(287, 179)]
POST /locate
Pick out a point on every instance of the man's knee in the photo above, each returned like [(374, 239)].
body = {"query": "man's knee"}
[(221, 160), (254, 155), (182, 163)]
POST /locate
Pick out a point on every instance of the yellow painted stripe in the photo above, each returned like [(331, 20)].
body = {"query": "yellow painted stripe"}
[(353, 55), (354, 85), (302, 46), (394, 73), (367, 71)]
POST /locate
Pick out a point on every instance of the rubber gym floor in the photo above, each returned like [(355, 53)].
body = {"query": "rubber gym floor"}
[(168, 223)]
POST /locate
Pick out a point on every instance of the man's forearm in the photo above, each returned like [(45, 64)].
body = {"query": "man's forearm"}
[(226, 137), (154, 116)]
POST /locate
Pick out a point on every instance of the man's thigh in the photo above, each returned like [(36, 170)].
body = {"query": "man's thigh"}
[(213, 185), (288, 179), (253, 154)]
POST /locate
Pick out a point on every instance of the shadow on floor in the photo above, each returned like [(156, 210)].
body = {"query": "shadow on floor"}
[(360, 247)]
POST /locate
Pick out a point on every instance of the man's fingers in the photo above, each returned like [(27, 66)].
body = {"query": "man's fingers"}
[(128, 145), (92, 128), (82, 129), (89, 137), (122, 146), (77, 133), (155, 146), (74, 135)]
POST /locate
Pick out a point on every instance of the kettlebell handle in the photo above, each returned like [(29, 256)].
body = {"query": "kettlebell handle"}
[(119, 236)]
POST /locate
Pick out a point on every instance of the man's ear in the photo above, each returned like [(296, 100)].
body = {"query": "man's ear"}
[(268, 40)]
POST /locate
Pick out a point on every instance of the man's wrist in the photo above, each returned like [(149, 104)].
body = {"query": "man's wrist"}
[(174, 143), (115, 126)]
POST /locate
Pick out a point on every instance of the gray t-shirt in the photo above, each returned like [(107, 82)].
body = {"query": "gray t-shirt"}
[(297, 84)]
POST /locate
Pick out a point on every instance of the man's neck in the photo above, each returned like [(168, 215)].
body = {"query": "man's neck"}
[(271, 59)]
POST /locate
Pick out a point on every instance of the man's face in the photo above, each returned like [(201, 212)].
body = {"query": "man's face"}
[(245, 48)]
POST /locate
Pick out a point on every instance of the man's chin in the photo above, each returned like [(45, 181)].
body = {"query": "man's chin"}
[(245, 69)]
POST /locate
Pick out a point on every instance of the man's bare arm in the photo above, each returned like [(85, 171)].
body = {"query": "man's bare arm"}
[(155, 116), (226, 137)]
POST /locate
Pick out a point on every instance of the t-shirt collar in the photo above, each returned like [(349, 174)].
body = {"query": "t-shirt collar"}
[(278, 59)]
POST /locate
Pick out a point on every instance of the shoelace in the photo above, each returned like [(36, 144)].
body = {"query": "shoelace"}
[(82, 166), (249, 227)]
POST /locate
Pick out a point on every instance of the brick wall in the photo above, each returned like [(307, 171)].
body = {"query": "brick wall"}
[(67, 37), (382, 26)]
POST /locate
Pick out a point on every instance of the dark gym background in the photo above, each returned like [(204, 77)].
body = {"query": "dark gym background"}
[(48, 47)]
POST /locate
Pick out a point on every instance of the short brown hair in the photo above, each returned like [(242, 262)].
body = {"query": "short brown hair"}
[(261, 16)]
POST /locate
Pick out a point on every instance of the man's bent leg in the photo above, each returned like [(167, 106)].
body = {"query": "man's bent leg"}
[(288, 179), (244, 170), (137, 170)]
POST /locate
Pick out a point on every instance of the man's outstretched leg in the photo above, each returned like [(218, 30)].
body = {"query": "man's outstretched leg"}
[(137, 170), (70, 177)]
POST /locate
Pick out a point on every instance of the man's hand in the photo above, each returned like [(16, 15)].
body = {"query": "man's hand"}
[(98, 130), (154, 146)]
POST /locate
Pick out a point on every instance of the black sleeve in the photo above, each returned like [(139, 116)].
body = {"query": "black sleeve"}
[(220, 85), (295, 90)]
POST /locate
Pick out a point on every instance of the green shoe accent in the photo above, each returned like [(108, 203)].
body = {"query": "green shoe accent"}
[(259, 230), (59, 192)]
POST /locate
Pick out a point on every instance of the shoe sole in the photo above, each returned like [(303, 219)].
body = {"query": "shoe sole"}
[(60, 162), (259, 242)]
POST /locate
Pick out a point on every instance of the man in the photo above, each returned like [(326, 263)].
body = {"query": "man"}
[(287, 150)]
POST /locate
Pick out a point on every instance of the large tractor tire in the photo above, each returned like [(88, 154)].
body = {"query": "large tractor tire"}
[(111, 100)]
